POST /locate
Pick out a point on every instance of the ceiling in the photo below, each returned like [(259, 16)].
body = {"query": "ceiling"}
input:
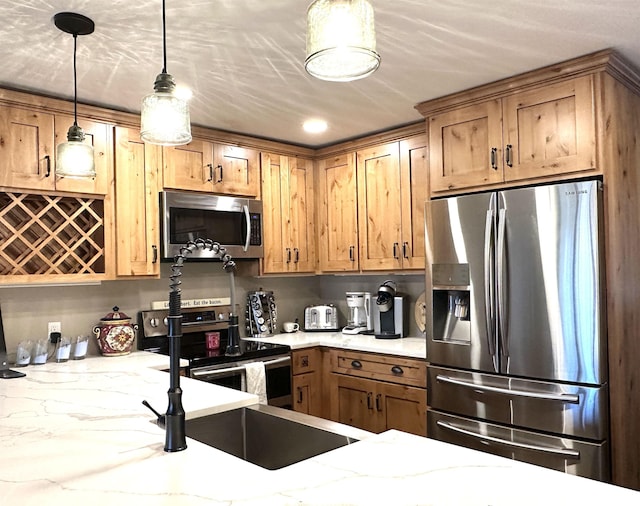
[(243, 59)]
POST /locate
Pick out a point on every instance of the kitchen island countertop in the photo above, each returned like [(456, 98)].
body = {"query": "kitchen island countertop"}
[(413, 347), (77, 433)]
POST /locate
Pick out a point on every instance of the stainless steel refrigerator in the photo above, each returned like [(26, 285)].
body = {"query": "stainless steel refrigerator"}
[(516, 340)]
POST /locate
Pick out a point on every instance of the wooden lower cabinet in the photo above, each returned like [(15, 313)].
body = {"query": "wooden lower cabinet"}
[(306, 384), (376, 405)]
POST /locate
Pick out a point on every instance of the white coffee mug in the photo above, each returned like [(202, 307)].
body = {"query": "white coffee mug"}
[(290, 327)]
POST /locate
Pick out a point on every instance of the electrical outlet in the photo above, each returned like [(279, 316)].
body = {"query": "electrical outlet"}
[(53, 327)]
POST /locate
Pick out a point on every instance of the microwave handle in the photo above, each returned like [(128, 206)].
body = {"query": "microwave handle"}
[(248, 221)]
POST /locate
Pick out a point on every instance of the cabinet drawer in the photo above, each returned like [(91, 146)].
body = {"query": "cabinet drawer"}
[(405, 371), (304, 361)]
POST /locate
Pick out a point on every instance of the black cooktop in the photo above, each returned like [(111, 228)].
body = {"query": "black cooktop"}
[(198, 355)]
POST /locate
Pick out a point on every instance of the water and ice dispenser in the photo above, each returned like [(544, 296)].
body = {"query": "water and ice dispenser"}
[(451, 300)]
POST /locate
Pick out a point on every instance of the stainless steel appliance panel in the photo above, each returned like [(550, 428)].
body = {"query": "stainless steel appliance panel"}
[(458, 236), (549, 287), (565, 454), (574, 410)]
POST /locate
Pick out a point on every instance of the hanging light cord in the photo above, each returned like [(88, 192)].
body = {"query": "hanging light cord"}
[(75, 83), (164, 41)]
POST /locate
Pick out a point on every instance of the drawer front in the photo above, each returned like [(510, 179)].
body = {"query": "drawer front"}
[(404, 371), (306, 360)]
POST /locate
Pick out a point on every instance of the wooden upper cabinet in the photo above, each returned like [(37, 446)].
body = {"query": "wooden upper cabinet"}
[(236, 170), (289, 225), (414, 186), (27, 149), (136, 206), (548, 131), (189, 167), (379, 200), (206, 166), (100, 136), (338, 213), (392, 189)]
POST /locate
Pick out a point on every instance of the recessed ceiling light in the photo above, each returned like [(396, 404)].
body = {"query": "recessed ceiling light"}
[(314, 126)]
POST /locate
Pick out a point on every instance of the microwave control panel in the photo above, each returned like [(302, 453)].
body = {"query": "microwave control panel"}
[(261, 314)]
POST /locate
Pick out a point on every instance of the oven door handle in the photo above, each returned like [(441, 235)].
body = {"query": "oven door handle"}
[(217, 372), (277, 361)]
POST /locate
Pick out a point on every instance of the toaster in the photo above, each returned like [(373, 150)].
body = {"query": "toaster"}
[(321, 318)]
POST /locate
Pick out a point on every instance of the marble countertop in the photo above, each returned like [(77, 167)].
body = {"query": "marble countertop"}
[(413, 347), (77, 433)]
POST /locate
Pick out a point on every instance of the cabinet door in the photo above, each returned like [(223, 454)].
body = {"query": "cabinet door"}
[(236, 170), (338, 220), (136, 197), (302, 230), (403, 408), (189, 167), (306, 394), (26, 149), (414, 192), (98, 135), (461, 143), (274, 201), (550, 130), (353, 403), (379, 205)]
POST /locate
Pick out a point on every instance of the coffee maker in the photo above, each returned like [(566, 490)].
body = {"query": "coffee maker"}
[(360, 319), (390, 316)]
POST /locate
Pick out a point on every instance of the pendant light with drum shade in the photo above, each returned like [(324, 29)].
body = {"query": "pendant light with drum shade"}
[(341, 40), (74, 158), (165, 117)]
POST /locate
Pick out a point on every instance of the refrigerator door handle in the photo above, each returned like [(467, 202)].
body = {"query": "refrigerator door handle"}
[(564, 452), (567, 398), (489, 282), (502, 309)]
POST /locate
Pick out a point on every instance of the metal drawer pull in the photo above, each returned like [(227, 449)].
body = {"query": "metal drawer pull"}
[(210, 173), (378, 404), (356, 364), (299, 395), (509, 156), (396, 369), (494, 151), (570, 398), (369, 395), (565, 452)]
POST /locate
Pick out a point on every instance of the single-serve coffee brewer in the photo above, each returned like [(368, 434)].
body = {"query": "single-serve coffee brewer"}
[(390, 315), (360, 319)]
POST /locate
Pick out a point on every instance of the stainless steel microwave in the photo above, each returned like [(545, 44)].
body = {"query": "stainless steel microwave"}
[(235, 223)]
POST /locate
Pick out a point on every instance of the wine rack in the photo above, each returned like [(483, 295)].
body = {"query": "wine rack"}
[(46, 235)]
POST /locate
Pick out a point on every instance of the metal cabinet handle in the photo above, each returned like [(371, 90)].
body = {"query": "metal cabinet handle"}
[(221, 174), (494, 158), (405, 249), (297, 257), (351, 254), (396, 369), (210, 173), (288, 255), (369, 400), (509, 155), (356, 364), (299, 395), (47, 159), (395, 250), (154, 248), (378, 403)]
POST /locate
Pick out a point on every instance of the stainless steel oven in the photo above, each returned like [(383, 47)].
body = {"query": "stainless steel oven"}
[(209, 363), (234, 375)]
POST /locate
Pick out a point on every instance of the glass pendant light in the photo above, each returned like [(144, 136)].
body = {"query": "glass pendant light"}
[(341, 40), (165, 117), (74, 158)]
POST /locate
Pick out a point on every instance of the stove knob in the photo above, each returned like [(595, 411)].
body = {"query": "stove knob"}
[(154, 322), (221, 316), (257, 312), (166, 321), (263, 328), (261, 320)]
